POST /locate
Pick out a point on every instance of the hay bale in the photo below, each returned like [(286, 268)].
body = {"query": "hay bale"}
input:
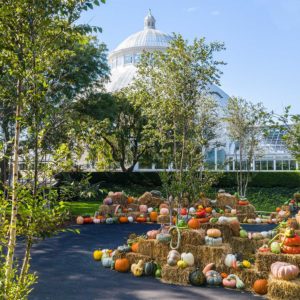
[(175, 275), (213, 254), (226, 230), (133, 207), (225, 199), (104, 210), (248, 276), (242, 218), (264, 260), (135, 257), (190, 236), (162, 219), (150, 200), (283, 289), (160, 252), (203, 201), (119, 198), (245, 246), (146, 247)]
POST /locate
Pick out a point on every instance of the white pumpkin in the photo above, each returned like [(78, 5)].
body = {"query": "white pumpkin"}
[(258, 220), (265, 234), (192, 210), (96, 221), (223, 220), (150, 209), (230, 260), (130, 219), (188, 258), (213, 212), (173, 257), (233, 211)]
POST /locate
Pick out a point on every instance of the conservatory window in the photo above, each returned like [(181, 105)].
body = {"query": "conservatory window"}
[(137, 58), (127, 59)]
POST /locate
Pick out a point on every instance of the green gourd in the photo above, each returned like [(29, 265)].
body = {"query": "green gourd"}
[(197, 278), (149, 268)]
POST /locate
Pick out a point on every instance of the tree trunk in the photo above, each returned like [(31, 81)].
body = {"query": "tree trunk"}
[(13, 220), (25, 265)]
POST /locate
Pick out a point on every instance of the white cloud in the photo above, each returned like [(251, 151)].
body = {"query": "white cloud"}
[(191, 9), (215, 13)]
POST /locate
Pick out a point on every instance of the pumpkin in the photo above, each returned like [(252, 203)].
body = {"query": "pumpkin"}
[(141, 219), (158, 273), (224, 275), (192, 210), (164, 238), (153, 216), (246, 263), (87, 220), (109, 221), (233, 211), (197, 278), (150, 209), (130, 200), (149, 268), (213, 278), (208, 210), (230, 260), (143, 208), (201, 214), (183, 212), (123, 219), (182, 264), (229, 282), (194, 223), (122, 265), (135, 247), (278, 209), (130, 219), (207, 268), (108, 201), (223, 220), (106, 259), (173, 257), (164, 211), (291, 241), (258, 220), (257, 236), (265, 234), (124, 249), (239, 283), (260, 286), (213, 241), (285, 271), (213, 232), (264, 248), (275, 247), (290, 249), (151, 234), (137, 269), (243, 202), (188, 258), (243, 233), (79, 220), (203, 220), (96, 221), (97, 255)]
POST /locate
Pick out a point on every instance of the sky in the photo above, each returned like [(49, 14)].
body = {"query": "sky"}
[(262, 39)]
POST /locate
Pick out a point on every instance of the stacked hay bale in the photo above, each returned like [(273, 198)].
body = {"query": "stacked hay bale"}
[(150, 200), (283, 289), (225, 199)]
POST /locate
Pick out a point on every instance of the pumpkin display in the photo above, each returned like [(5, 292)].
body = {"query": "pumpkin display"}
[(173, 257), (135, 247), (260, 286), (213, 278), (188, 258), (213, 241), (97, 255), (230, 260), (164, 238), (213, 232), (137, 269), (285, 271), (122, 265), (123, 219), (193, 223), (149, 268), (153, 216), (197, 278), (164, 211), (151, 234), (229, 282), (79, 220), (143, 208)]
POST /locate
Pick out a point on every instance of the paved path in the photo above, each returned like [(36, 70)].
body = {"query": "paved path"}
[(66, 270)]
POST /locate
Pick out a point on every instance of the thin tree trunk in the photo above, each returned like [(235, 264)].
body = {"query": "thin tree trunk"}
[(25, 265), (13, 220)]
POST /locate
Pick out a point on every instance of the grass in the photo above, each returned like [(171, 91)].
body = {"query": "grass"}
[(82, 208)]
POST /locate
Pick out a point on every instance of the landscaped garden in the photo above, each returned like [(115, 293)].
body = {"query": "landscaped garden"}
[(163, 187)]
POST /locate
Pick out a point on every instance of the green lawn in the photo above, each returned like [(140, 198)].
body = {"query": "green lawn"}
[(82, 208)]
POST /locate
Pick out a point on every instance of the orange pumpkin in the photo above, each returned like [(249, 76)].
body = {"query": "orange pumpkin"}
[(123, 219), (224, 275), (153, 216), (208, 210), (130, 200), (260, 286), (278, 209), (141, 219), (87, 220), (194, 223), (243, 202), (122, 265), (203, 220), (135, 247)]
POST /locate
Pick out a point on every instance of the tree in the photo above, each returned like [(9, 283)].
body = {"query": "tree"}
[(246, 125), (176, 99), (35, 39)]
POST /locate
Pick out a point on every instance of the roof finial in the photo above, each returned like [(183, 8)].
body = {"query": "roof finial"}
[(149, 21)]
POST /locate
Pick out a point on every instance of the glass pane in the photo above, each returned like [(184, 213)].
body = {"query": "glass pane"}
[(285, 165), (292, 165), (270, 165), (278, 165), (137, 58), (264, 165), (127, 59), (257, 165)]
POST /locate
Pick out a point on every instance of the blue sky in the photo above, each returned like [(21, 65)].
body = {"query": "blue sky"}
[(262, 39)]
